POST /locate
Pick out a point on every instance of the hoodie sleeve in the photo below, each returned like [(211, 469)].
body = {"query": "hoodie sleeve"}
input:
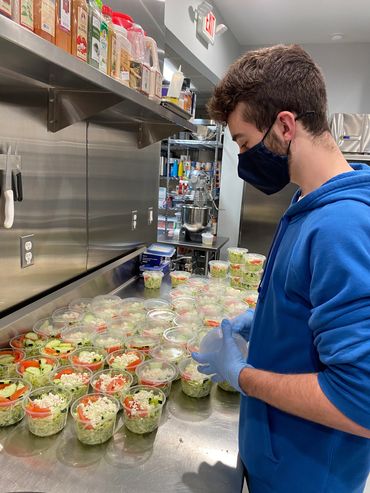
[(340, 318)]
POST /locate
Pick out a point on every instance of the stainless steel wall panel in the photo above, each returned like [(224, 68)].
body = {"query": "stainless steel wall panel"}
[(121, 179), (54, 205)]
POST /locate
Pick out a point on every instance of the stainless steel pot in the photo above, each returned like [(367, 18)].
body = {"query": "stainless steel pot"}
[(195, 218)]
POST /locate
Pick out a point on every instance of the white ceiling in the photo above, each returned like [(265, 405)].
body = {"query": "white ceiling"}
[(266, 22)]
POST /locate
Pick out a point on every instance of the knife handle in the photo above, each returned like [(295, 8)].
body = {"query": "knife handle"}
[(19, 186), (14, 186), (9, 209)]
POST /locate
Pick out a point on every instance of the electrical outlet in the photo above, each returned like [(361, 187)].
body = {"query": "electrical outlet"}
[(150, 215), (133, 220), (27, 256)]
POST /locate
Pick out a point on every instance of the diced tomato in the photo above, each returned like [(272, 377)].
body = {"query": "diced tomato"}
[(84, 419), (18, 393), (212, 323), (67, 371), (255, 262), (50, 351), (113, 348), (29, 364), (116, 384), (129, 404), (150, 383), (89, 398)]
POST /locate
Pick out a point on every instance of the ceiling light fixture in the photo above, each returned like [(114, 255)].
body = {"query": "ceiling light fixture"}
[(336, 36)]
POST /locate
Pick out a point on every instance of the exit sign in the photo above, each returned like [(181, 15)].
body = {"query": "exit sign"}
[(206, 27)]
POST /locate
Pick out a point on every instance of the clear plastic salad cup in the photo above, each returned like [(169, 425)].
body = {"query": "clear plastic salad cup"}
[(131, 306), (184, 305), (156, 304), (30, 343), (192, 320), (250, 297), (237, 282), (218, 269), (179, 277), (81, 305), (124, 326), (46, 410), (254, 261), (253, 277), (234, 307), (106, 307), (153, 279), (92, 358), (178, 336), (94, 323), (197, 283), (168, 352), (157, 373), (95, 418), (142, 408), (193, 383), (141, 343), (59, 349), (74, 380), (46, 328), (110, 341), (64, 317), (194, 344), (79, 336), (12, 393), (237, 270), (9, 358), (112, 382), (126, 360), (237, 255), (36, 370), (162, 318), (226, 387)]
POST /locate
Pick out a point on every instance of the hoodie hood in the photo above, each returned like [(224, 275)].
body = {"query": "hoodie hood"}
[(353, 185)]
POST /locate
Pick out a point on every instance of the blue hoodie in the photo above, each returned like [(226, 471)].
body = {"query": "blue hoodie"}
[(313, 315)]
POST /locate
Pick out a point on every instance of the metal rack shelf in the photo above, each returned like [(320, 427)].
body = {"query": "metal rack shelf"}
[(77, 91), (201, 144)]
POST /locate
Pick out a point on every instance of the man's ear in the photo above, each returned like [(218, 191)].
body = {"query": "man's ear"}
[(286, 125)]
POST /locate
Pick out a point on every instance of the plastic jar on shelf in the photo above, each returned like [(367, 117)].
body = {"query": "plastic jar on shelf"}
[(123, 53), (63, 25), (94, 32), (80, 18)]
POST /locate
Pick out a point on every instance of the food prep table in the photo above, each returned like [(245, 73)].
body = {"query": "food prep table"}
[(194, 450), (214, 249)]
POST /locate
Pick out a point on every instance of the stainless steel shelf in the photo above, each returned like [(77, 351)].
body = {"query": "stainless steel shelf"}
[(77, 91), (202, 144)]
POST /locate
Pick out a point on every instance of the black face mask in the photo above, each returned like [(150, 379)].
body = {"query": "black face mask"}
[(264, 169)]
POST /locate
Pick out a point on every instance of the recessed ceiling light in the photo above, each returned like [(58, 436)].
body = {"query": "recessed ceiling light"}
[(336, 36)]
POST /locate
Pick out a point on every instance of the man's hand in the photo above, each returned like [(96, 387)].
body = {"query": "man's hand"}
[(242, 324), (225, 364)]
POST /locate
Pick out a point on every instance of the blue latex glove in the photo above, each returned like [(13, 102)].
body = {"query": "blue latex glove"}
[(225, 364), (242, 324)]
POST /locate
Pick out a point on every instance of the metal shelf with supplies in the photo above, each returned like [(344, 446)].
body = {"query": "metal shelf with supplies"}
[(76, 91), (190, 175)]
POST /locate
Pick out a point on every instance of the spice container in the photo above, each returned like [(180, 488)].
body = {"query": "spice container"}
[(22, 13), (63, 27), (94, 32), (123, 52), (107, 14), (80, 16), (44, 19)]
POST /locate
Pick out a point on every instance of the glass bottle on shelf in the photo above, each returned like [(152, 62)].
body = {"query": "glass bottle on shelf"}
[(44, 19), (80, 17), (63, 35), (94, 32)]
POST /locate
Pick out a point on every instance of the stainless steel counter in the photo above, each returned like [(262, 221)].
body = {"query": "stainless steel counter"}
[(194, 450)]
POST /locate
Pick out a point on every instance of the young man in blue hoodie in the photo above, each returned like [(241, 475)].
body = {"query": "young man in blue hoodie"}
[(305, 405)]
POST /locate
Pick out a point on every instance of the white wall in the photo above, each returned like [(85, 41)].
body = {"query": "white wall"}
[(230, 195), (211, 61), (346, 68)]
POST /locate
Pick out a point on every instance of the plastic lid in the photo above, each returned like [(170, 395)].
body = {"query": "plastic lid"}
[(122, 20), (107, 11), (212, 342)]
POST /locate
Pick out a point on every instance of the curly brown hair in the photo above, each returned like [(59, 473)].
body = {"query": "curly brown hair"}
[(270, 80)]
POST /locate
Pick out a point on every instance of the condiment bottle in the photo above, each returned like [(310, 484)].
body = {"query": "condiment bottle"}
[(112, 44), (94, 32), (44, 19), (6, 8), (63, 27), (80, 19), (175, 86), (22, 13), (123, 59)]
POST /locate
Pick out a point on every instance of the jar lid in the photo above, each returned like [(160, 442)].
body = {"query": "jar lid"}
[(106, 10)]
